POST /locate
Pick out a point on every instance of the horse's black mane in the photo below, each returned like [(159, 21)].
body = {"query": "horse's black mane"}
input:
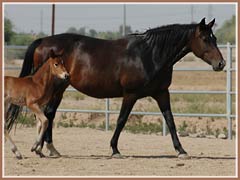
[(168, 38), (165, 28), (162, 45)]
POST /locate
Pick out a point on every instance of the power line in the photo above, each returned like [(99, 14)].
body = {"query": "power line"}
[(53, 19)]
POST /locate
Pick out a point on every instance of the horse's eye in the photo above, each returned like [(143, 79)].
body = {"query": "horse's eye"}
[(206, 39), (56, 64)]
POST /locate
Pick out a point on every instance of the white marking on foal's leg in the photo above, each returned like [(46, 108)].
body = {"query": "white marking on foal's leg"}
[(44, 124), (52, 150), (38, 126)]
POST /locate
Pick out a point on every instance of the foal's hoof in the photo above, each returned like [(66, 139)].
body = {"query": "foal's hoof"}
[(34, 147), (184, 156), (41, 155), (117, 156)]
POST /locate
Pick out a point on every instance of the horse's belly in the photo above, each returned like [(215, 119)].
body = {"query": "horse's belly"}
[(99, 89)]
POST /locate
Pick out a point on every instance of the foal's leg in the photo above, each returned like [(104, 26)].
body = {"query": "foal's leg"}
[(39, 148), (163, 100), (13, 146), (6, 134), (127, 105), (44, 123)]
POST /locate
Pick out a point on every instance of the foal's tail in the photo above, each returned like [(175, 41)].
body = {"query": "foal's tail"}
[(27, 68)]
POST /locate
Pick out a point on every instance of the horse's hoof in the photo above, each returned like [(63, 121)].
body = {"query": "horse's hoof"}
[(184, 156), (55, 154), (117, 156), (52, 151), (19, 156)]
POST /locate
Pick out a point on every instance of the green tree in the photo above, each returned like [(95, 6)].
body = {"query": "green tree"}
[(109, 35), (82, 31), (72, 30), (93, 33), (227, 32), (22, 39), (8, 30), (41, 35)]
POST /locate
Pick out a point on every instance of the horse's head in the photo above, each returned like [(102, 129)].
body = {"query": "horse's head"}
[(57, 66), (204, 45)]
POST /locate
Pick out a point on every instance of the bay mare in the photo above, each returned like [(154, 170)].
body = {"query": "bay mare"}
[(34, 92), (132, 67)]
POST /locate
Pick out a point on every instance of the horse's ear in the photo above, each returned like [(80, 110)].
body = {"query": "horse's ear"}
[(210, 25), (202, 24), (61, 52), (51, 54)]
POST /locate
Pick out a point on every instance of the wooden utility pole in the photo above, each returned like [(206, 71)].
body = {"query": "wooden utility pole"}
[(53, 19)]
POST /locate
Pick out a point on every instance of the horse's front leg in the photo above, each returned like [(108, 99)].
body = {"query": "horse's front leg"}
[(50, 112), (163, 100)]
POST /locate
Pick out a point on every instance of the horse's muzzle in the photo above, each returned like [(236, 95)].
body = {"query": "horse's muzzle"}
[(66, 77), (219, 66)]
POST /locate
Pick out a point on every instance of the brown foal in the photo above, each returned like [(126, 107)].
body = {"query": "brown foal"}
[(34, 92)]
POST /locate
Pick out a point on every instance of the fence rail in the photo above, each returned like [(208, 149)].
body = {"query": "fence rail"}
[(228, 69)]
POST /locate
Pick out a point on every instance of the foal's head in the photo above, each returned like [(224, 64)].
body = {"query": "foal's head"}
[(204, 45), (57, 67)]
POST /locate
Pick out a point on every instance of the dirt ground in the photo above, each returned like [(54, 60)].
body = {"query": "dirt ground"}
[(86, 152)]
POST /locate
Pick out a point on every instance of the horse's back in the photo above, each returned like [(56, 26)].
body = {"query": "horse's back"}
[(97, 67)]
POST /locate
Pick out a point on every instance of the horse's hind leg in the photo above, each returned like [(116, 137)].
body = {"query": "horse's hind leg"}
[(127, 105), (13, 146)]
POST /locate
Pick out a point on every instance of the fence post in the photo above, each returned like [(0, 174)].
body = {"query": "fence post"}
[(229, 89), (107, 115), (164, 126)]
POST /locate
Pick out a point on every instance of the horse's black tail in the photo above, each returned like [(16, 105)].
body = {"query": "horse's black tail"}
[(27, 68)]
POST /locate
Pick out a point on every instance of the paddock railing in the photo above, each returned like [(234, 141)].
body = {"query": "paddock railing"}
[(228, 92)]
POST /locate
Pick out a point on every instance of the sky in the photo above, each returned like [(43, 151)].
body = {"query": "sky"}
[(108, 17)]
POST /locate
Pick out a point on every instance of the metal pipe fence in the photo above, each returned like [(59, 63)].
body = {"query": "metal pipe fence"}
[(228, 92)]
